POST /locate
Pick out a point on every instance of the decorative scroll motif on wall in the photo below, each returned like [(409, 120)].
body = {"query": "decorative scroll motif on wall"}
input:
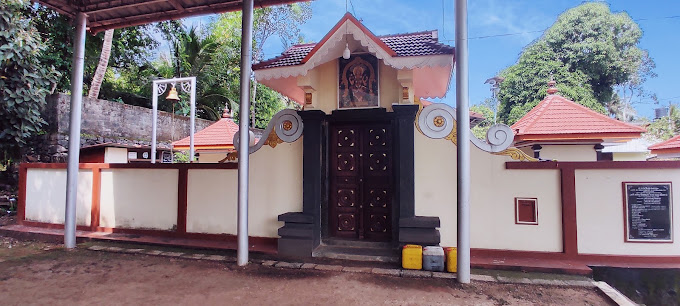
[(438, 121), (286, 126)]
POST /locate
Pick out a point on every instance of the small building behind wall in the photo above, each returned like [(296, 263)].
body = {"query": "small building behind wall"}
[(669, 149), (121, 153), (560, 129), (214, 143)]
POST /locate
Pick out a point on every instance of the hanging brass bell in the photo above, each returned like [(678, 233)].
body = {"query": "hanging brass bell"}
[(172, 95)]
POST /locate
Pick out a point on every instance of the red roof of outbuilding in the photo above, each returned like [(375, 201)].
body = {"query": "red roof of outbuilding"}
[(398, 45), (558, 118), (219, 135), (672, 144)]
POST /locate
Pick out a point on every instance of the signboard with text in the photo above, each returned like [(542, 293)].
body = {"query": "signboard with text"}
[(648, 211)]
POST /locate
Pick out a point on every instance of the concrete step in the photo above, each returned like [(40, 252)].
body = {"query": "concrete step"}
[(357, 243), (357, 253)]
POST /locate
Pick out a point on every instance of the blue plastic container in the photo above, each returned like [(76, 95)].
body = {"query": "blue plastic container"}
[(433, 259)]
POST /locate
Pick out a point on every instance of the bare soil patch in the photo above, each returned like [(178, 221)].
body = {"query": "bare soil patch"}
[(39, 273)]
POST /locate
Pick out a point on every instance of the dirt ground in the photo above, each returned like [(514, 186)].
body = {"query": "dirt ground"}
[(46, 274)]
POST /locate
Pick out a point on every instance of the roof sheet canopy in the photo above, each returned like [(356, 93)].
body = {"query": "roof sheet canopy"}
[(110, 14)]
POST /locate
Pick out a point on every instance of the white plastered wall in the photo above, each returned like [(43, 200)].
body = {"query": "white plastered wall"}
[(139, 198), (275, 188), (116, 155), (205, 157), (327, 92), (46, 196), (493, 190), (599, 211), (568, 152), (629, 156)]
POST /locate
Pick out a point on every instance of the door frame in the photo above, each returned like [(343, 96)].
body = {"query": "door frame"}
[(362, 213), (401, 120)]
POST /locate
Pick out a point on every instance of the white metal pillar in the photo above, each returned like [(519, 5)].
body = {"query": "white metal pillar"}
[(74, 132), (244, 140), (192, 120), (463, 148), (154, 117)]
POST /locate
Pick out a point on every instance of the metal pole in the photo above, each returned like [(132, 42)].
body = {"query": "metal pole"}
[(154, 118), (244, 141), (74, 132), (463, 154), (192, 119)]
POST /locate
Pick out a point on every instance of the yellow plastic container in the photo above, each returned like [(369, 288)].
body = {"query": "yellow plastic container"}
[(451, 259), (412, 257)]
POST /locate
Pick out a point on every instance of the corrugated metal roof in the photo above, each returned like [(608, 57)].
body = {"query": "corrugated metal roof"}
[(104, 14)]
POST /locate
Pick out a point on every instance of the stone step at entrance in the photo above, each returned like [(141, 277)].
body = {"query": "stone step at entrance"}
[(357, 250)]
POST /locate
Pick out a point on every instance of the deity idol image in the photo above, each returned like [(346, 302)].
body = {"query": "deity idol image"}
[(358, 82)]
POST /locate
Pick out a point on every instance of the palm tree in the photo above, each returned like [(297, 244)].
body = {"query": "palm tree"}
[(103, 64)]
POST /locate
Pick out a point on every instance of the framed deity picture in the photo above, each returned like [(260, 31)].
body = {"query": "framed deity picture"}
[(358, 82)]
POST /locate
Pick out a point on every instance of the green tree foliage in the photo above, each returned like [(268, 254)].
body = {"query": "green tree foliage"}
[(24, 80), (281, 21), (131, 47), (665, 127), (589, 51), (481, 128)]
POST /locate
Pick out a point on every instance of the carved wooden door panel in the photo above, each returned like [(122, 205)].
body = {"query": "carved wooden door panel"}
[(361, 181)]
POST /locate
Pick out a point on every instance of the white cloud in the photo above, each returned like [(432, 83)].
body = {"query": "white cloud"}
[(498, 17)]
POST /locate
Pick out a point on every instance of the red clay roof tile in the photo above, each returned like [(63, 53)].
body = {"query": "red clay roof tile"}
[(557, 115), (408, 44), (673, 143), (220, 133)]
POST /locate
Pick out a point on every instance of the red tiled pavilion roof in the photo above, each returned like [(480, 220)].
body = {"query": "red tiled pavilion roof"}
[(669, 146), (557, 118), (398, 45), (219, 135)]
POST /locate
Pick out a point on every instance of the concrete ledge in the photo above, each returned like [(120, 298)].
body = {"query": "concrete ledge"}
[(289, 265), (420, 222), (416, 273), (616, 296), (296, 217), (390, 272), (328, 267)]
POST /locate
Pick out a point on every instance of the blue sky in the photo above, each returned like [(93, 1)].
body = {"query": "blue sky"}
[(524, 19)]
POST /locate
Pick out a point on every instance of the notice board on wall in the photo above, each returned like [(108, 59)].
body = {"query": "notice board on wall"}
[(648, 209)]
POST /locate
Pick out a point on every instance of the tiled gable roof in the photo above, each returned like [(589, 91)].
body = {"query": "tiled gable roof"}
[(673, 143), (409, 44), (557, 115), (220, 133)]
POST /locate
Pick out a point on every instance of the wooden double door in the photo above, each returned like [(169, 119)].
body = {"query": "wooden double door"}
[(361, 181)]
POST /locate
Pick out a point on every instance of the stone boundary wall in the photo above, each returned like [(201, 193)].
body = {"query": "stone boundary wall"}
[(112, 120)]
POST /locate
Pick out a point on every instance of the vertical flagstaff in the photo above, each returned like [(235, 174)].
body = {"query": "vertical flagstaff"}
[(74, 132), (463, 148), (244, 141)]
